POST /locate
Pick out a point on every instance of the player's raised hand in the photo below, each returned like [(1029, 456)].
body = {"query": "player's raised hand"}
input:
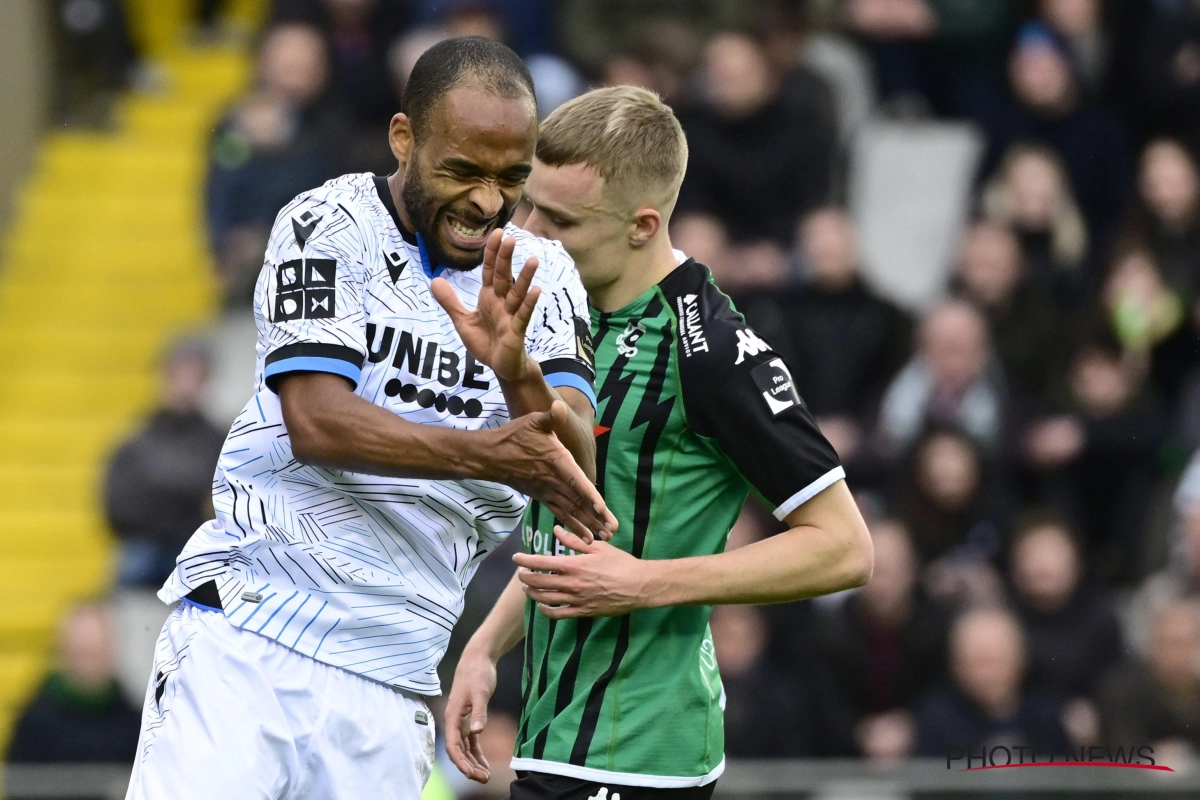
[(494, 332), (466, 715), (602, 581), (528, 456)]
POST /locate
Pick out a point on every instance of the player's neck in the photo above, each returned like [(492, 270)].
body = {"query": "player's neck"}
[(643, 268)]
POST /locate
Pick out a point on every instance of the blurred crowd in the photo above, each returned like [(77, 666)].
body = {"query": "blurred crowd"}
[(1021, 444)]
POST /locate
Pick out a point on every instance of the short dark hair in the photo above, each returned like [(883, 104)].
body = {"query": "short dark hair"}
[(494, 67)]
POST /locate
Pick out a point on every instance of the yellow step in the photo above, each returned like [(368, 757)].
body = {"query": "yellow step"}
[(61, 394)]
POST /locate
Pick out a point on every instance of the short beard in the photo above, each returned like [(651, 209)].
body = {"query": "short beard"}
[(423, 212)]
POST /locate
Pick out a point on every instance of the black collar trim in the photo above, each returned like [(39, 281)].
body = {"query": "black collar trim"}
[(385, 197)]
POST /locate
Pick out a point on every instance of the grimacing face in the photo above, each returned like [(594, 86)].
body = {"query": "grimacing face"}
[(570, 205), (464, 178)]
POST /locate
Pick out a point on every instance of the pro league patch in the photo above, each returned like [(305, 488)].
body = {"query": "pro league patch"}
[(775, 383)]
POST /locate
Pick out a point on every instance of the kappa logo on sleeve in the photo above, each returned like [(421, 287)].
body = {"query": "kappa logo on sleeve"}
[(749, 344), (775, 383), (306, 289)]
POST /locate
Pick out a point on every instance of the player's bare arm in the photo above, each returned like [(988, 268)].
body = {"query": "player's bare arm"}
[(475, 681), (332, 427), (494, 333), (826, 549)]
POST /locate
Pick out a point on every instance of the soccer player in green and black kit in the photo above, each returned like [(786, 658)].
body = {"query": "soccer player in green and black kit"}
[(621, 690)]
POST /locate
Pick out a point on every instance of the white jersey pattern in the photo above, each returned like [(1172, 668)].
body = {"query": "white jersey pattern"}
[(358, 571)]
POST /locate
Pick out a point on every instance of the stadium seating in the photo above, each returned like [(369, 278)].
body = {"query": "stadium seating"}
[(105, 261)]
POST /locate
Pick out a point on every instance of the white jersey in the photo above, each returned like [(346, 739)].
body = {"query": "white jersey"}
[(363, 572)]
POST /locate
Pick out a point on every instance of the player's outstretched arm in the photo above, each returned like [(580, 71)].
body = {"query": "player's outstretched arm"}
[(826, 549), (475, 681), (494, 333), (330, 426)]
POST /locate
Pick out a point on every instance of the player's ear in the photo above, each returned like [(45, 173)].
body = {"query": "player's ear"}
[(400, 137), (647, 222)]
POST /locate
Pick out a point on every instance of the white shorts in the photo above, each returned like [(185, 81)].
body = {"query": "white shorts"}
[(232, 715)]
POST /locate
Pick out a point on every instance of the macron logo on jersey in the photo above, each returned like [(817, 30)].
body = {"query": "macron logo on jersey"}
[(749, 344)]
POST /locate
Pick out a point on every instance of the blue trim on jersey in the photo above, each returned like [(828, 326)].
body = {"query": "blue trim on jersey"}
[(426, 264), (200, 606), (314, 364), (575, 382)]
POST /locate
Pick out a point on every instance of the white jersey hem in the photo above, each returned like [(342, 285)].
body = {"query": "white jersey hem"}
[(619, 778), (809, 492)]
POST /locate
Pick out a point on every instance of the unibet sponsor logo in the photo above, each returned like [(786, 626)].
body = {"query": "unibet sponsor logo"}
[(306, 289), (417, 357), (776, 385), (690, 330), (749, 344), (627, 341)]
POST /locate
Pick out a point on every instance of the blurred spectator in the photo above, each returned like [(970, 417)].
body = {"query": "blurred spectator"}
[(285, 137), (941, 55), (946, 500), (1098, 463), (760, 155), (1181, 575), (95, 58), (877, 652), (985, 703), (1167, 65), (954, 379), (1048, 106), (405, 51), (1142, 309), (1157, 701), (1081, 25), (1166, 213), (158, 486), (1024, 324), (592, 31), (757, 697), (1030, 192), (843, 341), (1071, 628), (79, 714)]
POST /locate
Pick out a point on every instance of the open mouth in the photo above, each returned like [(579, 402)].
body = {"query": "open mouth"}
[(464, 235)]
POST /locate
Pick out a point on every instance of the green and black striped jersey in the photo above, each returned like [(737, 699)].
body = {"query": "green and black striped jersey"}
[(694, 410)]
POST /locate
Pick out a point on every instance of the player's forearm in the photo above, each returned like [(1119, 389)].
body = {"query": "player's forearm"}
[(532, 393), (336, 429), (504, 626), (802, 562)]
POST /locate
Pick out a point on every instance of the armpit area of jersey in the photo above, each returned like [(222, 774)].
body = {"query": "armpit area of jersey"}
[(312, 357)]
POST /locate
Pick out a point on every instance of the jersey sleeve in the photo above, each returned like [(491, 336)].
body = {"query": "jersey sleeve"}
[(310, 293), (559, 336), (740, 392)]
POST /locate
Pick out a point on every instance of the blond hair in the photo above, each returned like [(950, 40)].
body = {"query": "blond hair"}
[(1068, 232), (628, 135)]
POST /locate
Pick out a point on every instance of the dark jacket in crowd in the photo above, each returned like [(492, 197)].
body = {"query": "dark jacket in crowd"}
[(767, 715), (248, 187), (844, 346), (1135, 710), (947, 719), (866, 670), (760, 173), (159, 483), (1070, 650), (1030, 342), (66, 725)]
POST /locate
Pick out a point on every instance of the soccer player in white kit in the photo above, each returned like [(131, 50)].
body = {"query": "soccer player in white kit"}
[(408, 398)]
